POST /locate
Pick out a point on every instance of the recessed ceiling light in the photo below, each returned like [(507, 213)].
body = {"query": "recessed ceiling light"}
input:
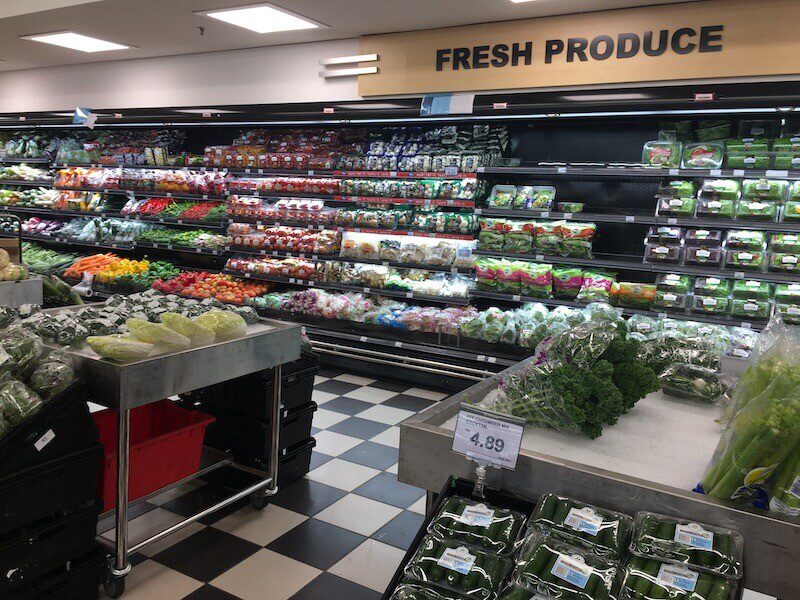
[(262, 18), (521, 1), (75, 41)]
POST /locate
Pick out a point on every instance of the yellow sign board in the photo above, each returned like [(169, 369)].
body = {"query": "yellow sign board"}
[(714, 39)]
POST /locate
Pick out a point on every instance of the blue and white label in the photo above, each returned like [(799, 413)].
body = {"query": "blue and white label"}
[(584, 519), (457, 559), (676, 577), (572, 569), (478, 515), (694, 536), (794, 490)]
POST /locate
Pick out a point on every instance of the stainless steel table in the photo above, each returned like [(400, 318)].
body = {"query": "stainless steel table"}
[(123, 387), (649, 461)]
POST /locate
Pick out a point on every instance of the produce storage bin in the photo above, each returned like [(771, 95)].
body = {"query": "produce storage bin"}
[(248, 439), (61, 427), (48, 489), (166, 441), (251, 395), (34, 550), (77, 580)]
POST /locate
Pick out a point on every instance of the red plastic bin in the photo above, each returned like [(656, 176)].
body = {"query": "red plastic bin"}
[(166, 443)]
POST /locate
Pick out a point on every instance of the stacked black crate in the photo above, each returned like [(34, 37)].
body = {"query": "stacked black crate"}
[(242, 410), (48, 502)]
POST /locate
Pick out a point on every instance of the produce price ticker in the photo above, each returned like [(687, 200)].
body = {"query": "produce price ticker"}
[(488, 438)]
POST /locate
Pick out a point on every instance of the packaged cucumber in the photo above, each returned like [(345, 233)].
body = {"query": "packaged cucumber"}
[(749, 160), (704, 155), (452, 566), (748, 145), (720, 189), (513, 592), (703, 547), (408, 590), (478, 524), (604, 532), (556, 569), (765, 189), (655, 580), (661, 154)]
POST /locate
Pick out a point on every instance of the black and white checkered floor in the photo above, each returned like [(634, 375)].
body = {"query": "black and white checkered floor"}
[(338, 533)]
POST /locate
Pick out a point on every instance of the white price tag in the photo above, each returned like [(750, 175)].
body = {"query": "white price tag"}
[(450, 171), (738, 172), (715, 172), (674, 171), (561, 170), (48, 437), (490, 438)]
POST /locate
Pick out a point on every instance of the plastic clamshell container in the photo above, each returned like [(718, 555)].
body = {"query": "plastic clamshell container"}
[(784, 261), (712, 286), (786, 161), (535, 197), (670, 300), (479, 525), (720, 189), (673, 282), (748, 260), (789, 312), (788, 292), (750, 289), (748, 144), (414, 591), (745, 239), (754, 309), (703, 237), (663, 234), (659, 253), (716, 208), (680, 188), (703, 547), (791, 211), (703, 256), (661, 153), (650, 579), (775, 190), (680, 207), (451, 565), (571, 207), (703, 155), (501, 196), (604, 532), (549, 566), (711, 305), (784, 242), (749, 160), (756, 210)]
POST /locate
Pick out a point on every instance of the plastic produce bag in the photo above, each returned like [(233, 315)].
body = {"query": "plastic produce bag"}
[(7, 316), (785, 486), (683, 380), (478, 524), (225, 324), (51, 378), (712, 549), (454, 567), (157, 334), (653, 580), (560, 570), (17, 402), (580, 345), (197, 334), (604, 532), (120, 348), (24, 350)]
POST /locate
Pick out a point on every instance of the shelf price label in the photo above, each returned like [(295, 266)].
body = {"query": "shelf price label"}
[(488, 437)]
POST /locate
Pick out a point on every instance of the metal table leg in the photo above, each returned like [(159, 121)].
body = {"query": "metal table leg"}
[(114, 577), (260, 498)]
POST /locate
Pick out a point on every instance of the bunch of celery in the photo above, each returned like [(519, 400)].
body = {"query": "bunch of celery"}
[(786, 485)]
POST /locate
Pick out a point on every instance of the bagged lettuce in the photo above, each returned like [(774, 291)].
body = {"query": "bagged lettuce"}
[(23, 350), (120, 348), (51, 378), (197, 334), (225, 324), (17, 402), (157, 334)]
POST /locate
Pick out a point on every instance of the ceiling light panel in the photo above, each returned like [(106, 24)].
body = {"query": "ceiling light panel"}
[(75, 41), (262, 18)]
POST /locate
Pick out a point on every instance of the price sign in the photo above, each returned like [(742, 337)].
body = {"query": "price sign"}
[(488, 437)]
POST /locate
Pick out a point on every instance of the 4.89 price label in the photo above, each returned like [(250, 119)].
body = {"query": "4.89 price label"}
[(494, 439)]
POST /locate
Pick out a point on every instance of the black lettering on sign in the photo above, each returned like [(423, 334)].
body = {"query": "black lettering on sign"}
[(442, 57), (551, 48), (461, 59), (517, 52), (608, 47), (663, 37), (680, 48), (480, 57), (628, 45), (500, 54), (577, 47), (711, 34)]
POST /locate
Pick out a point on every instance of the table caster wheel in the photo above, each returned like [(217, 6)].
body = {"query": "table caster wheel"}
[(113, 586), (259, 500)]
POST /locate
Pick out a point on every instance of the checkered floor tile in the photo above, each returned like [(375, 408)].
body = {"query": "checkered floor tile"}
[(340, 532)]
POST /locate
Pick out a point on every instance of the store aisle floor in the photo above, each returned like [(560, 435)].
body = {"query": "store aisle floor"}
[(340, 532)]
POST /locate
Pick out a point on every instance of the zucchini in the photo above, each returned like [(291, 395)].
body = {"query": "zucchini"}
[(426, 559)]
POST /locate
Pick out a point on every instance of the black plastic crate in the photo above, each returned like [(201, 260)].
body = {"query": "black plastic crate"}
[(251, 395), (248, 439), (49, 489), (36, 549), (294, 463), (61, 427), (77, 580), (458, 487)]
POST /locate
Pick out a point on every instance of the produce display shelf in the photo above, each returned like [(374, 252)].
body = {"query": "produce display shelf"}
[(649, 461), (145, 194), (118, 246), (277, 195), (346, 259), (322, 227), (28, 161), (634, 263), (730, 224), (628, 217), (731, 321), (401, 174), (637, 171), (217, 226), (185, 249), (445, 202), (389, 293), (26, 183)]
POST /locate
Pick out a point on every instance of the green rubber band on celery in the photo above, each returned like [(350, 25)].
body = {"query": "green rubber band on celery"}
[(720, 591), (548, 509)]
